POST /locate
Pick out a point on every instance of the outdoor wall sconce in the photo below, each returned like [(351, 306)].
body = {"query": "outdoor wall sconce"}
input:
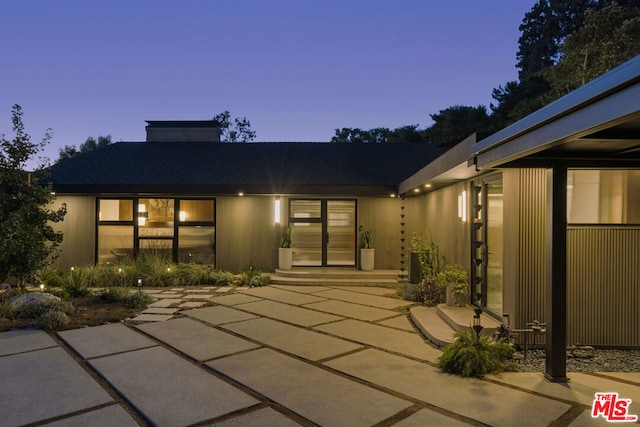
[(462, 206), (142, 214), (276, 210)]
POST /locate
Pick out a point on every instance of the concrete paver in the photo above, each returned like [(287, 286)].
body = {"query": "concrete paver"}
[(165, 303), (302, 289), (410, 344), (219, 315), (281, 295), (476, 399), (304, 343), (364, 299), (260, 418), (160, 310), (289, 313), (103, 340), (234, 299), (198, 341), (45, 384), (109, 416), (316, 394), (399, 322), (580, 389), (354, 311), (155, 380), (152, 318), (12, 342), (427, 417)]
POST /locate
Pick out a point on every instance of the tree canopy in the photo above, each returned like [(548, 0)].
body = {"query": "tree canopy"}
[(236, 130), (90, 144), (28, 241)]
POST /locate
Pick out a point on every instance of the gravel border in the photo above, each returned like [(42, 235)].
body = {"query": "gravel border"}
[(605, 360)]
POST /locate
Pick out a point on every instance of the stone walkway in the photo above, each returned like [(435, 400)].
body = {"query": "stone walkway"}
[(276, 356)]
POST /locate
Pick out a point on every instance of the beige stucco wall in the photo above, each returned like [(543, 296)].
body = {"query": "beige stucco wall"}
[(78, 227)]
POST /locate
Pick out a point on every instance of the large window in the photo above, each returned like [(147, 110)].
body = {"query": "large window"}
[(181, 229), (603, 197)]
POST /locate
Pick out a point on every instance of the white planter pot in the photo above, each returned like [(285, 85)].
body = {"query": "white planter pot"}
[(367, 257), (285, 258)]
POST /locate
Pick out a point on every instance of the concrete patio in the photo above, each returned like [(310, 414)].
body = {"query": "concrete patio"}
[(279, 356)]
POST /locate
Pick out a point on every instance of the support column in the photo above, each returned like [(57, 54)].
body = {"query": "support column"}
[(556, 275)]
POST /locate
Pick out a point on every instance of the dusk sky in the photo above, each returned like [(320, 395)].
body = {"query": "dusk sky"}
[(297, 69)]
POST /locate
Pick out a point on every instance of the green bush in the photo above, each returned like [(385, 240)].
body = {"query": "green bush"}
[(139, 300), (473, 356), (253, 278), (52, 320), (114, 294), (222, 278), (34, 311)]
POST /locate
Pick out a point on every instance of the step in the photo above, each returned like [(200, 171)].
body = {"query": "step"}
[(461, 318), (338, 273), (277, 279), (432, 325)]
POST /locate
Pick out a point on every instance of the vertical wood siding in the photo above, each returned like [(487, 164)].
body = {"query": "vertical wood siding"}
[(604, 285)]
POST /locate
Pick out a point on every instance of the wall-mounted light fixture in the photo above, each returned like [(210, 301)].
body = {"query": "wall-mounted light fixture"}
[(462, 206), (183, 216), (276, 210), (142, 214)]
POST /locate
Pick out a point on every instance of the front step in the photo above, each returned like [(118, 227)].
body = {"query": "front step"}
[(439, 323), (336, 277)]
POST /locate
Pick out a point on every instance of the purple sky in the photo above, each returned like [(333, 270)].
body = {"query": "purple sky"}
[(297, 69)]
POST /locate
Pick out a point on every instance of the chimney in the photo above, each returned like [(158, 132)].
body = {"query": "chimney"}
[(182, 131)]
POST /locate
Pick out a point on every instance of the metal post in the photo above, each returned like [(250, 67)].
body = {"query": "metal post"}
[(556, 275)]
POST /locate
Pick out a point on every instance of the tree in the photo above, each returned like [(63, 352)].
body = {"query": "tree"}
[(28, 241), (517, 99), (237, 131), (453, 124), (608, 38), (89, 145), (360, 136)]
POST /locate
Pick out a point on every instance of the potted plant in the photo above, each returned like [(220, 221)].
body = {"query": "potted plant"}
[(367, 253), (285, 254), (456, 281)]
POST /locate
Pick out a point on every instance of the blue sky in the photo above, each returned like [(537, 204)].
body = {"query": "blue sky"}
[(297, 69)]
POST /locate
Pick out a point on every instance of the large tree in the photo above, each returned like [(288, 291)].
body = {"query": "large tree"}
[(236, 130), (608, 38), (28, 242), (454, 124), (90, 144)]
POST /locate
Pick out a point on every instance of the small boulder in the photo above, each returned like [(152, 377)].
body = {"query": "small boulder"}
[(20, 302)]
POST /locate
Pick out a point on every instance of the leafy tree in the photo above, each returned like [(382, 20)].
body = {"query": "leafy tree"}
[(360, 136), (453, 124), (89, 145), (28, 241), (238, 130), (517, 99), (608, 38)]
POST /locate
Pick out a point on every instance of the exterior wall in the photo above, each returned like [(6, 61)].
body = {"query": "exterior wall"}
[(79, 228), (246, 233), (436, 212), (382, 215), (603, 273)]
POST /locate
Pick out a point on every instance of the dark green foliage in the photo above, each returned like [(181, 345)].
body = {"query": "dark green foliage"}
[(473, 356), (238, 131), (52, 320), (90, 144), (28, 242), (114, 294), (454, 124), (253, 278), (50, 316), (222, 278), (139, 300)]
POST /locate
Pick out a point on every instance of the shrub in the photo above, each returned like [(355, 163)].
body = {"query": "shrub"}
[(473, 356), (114, 294), (253, 278), (222, 278), (139, 300), (52, 320), (33, 311)]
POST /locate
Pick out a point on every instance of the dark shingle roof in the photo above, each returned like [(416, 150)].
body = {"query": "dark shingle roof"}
[(251, 167)]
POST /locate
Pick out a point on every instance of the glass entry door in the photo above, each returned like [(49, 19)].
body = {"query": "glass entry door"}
[(323, 232)]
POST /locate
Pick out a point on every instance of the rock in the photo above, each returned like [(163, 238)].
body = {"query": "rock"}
[(20, 302)]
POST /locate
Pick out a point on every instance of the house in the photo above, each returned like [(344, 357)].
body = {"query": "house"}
[(544, 214)]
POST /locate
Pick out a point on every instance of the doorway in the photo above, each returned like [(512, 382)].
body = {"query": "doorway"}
[(323, 232)]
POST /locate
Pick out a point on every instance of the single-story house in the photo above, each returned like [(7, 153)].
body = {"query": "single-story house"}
[(544, 214)]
